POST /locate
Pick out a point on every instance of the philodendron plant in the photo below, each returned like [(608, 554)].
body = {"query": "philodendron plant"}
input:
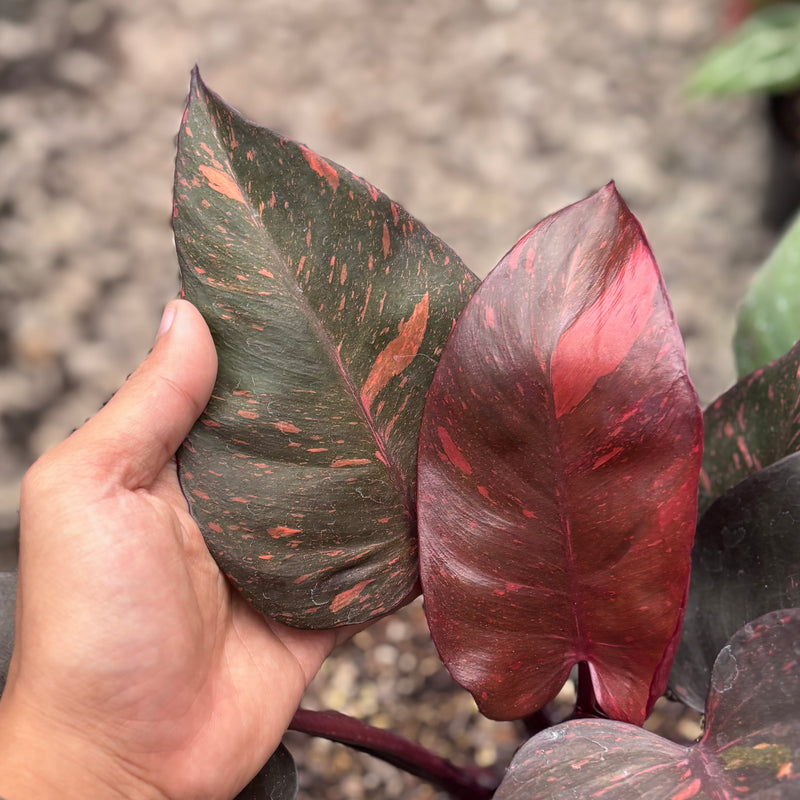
[(527, 452)]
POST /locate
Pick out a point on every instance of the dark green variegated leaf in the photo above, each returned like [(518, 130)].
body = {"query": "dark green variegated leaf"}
[(329, 306), (8, 602), (558, 464), (751, 745), (276, 780), (768, 324), (745, 562), (752, 425)]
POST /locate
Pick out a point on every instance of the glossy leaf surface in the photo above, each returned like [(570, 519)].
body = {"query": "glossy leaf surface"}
[(276, 780), (751, 746), (762, 55), (752, 425), (558, 465), (745, 563), (329, 306), (768, 324)]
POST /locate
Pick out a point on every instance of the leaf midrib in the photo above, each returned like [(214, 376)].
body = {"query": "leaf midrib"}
[(324, 336)]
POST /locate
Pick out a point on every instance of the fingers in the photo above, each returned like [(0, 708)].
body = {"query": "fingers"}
[(141, 427)]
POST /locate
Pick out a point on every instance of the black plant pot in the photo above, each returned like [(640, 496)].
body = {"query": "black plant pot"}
[(783, 187)]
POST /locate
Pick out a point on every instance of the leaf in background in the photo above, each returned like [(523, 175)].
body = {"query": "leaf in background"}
[(768, 324), (745, 562), (751, 745), (755, 423), (329, 306), (761, 55), (8, 602), (737, 11), (558, 464), (276, 780)]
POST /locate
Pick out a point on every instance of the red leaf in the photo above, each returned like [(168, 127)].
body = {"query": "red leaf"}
[(558, 465)]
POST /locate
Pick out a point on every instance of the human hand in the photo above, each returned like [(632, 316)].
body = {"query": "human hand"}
[(137, 671)]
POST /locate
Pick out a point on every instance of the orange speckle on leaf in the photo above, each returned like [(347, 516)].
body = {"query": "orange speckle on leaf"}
[(690, 791), (279, 531), (398, 354), (349, 462), (222, 182), (286, 427), (366, 299), (247, 414), (386, 241), (345, 598), (321, 167)]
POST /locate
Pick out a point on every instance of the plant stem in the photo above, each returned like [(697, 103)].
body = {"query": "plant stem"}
[(586, 704), (462, 783)]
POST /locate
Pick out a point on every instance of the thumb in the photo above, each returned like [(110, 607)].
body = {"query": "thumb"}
[(134, 435)]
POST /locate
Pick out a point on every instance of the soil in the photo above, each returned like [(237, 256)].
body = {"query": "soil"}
[(480, 117)]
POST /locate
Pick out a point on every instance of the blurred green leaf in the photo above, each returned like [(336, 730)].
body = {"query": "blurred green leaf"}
[(763, 54), (769, 320)]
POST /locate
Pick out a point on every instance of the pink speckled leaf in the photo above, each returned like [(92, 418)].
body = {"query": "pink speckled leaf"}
[(752, 425), (751, 745), (746, 556), (558, 464), (329, 305)]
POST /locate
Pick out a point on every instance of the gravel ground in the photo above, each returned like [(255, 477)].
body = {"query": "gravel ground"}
[(480, 116)]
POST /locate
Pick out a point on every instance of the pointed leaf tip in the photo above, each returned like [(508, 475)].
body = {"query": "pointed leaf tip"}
[(558, 463)]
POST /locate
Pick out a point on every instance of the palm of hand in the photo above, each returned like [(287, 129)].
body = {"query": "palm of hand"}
[(127, 633)]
